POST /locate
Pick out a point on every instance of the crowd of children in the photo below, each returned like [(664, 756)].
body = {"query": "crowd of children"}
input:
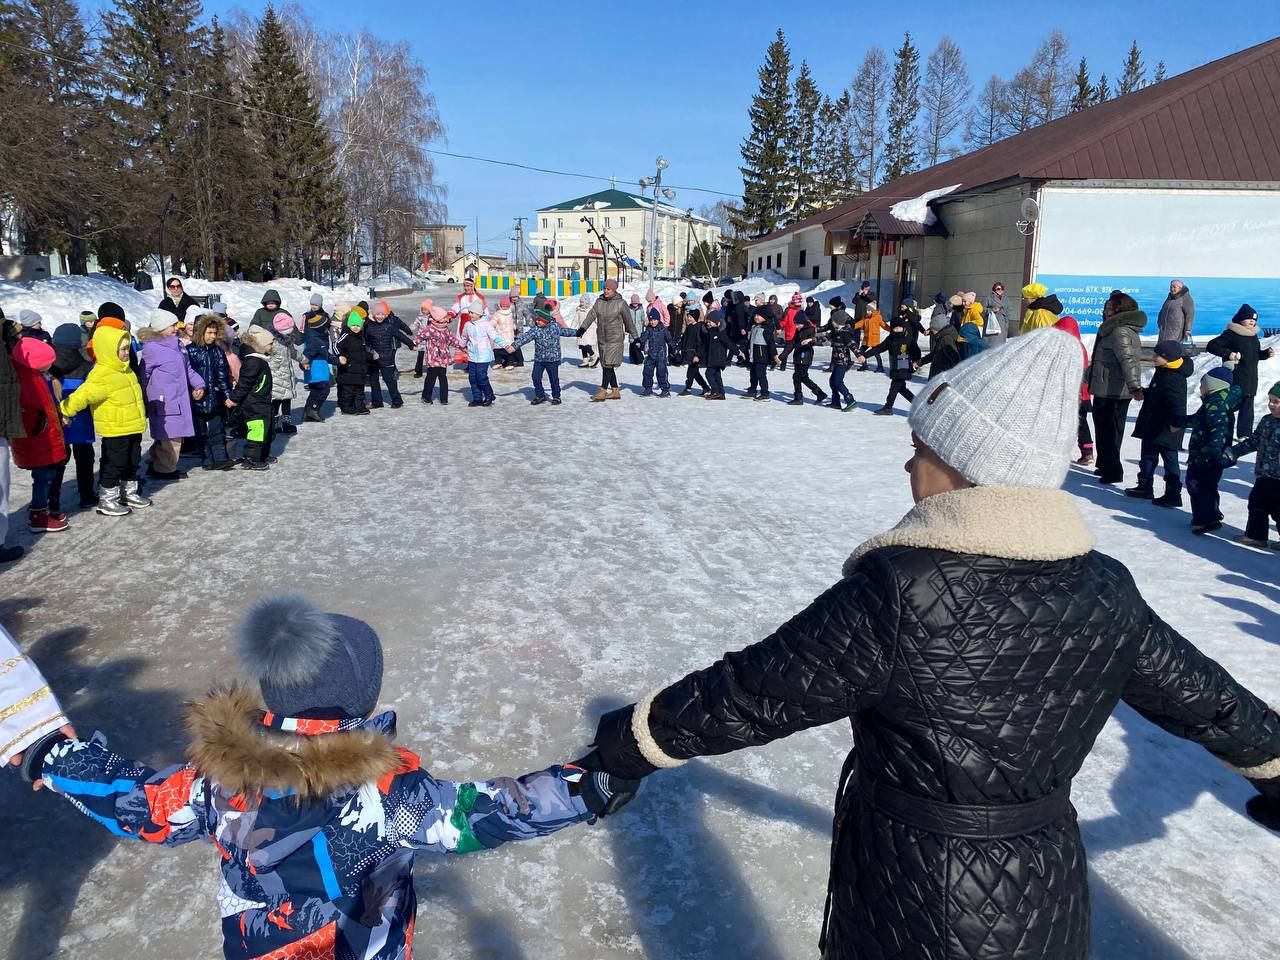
[(199, 388)]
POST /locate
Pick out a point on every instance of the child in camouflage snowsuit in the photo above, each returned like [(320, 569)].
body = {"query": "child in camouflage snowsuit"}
[(655, 342), (315, 813), (1264, 498), (1208, 455)]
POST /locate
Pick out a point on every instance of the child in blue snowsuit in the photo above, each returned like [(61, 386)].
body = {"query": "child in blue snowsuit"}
[(315, 813), (315, 351), (655, 341), (1208, 452), (545, 334)]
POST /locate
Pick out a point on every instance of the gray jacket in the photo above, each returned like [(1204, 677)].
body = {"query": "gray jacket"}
[(613, 323), (1116, 370), (1177, 315)]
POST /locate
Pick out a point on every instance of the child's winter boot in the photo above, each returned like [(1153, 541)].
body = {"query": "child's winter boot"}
[(132, 497), (37, 520), (109, 504), (615, 394), (1172, 496), (600, 395), (1143, 491)]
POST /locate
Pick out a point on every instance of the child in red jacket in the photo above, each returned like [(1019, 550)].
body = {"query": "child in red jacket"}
[(43, 450)]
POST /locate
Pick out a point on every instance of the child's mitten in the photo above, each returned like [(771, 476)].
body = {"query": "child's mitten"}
[(602, 793)]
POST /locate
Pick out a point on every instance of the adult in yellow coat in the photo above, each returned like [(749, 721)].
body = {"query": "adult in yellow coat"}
[(1043, 308)]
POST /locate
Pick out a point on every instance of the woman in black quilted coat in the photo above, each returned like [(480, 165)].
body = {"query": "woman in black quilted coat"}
[(977, 649)]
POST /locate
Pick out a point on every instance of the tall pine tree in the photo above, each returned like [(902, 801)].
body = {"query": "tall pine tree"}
[(157, 47), (904, 107), (297, 152), (1160, 73), (867, 99), (1134, 76), (802, 145), (766, 191), (986, 125), (1102, 92), (1083, 92), (944, 96)]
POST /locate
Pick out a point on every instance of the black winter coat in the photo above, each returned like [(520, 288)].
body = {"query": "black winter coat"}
[(718, 346), (975, 685), (384, 338), (803, 352), (1241, 340), (1163, 416), (902, 352), (180, 308), (944, 352), (693, 343), (356, 370), (252, 392)]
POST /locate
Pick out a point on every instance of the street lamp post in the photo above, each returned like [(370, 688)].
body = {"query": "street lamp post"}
[(656, 183)]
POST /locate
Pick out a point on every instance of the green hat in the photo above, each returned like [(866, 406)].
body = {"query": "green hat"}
[(1275, 390), (542, 313)]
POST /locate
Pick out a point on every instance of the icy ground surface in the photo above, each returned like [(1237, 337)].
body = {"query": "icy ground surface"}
[(528, 568)]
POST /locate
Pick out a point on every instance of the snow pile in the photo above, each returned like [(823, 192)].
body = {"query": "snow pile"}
[(398, 278), (916, 210), (60, 299)]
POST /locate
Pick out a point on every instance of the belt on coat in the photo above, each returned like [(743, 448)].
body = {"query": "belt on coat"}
[(961, 820)]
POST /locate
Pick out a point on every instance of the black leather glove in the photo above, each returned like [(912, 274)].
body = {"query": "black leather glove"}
[(33, 756), (581, 331), (615, 748), (603, 795)]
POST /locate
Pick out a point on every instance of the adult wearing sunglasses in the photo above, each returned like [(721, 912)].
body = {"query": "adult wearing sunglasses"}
[(995, 312), (176, 300)]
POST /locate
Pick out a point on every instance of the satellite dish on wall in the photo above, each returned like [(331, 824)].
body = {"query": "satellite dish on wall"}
[(1030, 211)]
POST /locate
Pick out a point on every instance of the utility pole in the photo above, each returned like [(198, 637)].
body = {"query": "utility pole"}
[(520, 245)]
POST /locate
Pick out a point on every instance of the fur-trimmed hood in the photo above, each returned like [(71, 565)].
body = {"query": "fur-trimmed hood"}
[(1016, 523), (232, 748)]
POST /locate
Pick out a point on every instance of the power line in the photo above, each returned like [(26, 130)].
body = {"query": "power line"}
[(337, 131)]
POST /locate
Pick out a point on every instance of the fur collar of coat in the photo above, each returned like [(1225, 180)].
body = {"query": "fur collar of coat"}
[(1014, 523), (231, 747)]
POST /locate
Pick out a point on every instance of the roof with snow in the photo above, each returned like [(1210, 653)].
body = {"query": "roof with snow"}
[(620, 200), (1218, 122)]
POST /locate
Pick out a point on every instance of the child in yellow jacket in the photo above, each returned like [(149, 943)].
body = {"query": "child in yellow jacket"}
[(113, 394)]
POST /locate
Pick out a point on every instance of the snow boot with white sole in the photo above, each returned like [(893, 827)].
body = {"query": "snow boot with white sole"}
[(131, 497), (109, 504)]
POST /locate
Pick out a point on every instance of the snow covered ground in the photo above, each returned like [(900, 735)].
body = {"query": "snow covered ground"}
[(60, 299), (529, 568)]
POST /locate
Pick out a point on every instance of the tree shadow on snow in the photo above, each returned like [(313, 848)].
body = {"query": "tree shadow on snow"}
[(48, 849)]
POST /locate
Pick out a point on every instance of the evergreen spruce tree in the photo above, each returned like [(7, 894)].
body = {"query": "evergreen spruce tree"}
[(904, 107), (223, 185), (1134, 76), (766, 192), (802, 144), (826, 133), (1102, 92), (155, 46), (295, 150), (1084, 93), (845, 159), (1160, 73)]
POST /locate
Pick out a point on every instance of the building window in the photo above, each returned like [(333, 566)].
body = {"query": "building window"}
[(606, 223), (802, 253), (622, 221), (544, 223), (815, 273), (769, 261), (560, 250), (560, 223), (780, 256), (591, 221)]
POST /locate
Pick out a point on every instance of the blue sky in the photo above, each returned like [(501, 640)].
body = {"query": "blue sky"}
[(570, 92)]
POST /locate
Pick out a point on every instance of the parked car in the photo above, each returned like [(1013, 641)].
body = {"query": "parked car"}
[(439, 276)]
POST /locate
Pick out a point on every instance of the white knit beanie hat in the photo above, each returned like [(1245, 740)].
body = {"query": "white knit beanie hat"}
[(1008, 416), (161, 319)]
